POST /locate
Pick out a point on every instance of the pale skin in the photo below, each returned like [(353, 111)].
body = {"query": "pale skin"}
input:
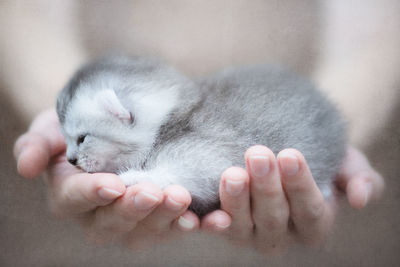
[(270, 205)]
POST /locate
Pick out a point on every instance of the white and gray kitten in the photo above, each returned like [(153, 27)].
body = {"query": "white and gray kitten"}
[(147, 122)]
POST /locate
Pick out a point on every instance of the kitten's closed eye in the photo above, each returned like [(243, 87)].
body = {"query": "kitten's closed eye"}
[(81, 139), (131, 118)]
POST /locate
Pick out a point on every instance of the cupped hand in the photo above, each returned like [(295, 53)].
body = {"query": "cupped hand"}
[(276, 202), (138, 216), (272, 204)]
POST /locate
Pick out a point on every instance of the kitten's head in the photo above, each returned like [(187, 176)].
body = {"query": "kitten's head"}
[(110, 113), (92, 127), (104, 135)]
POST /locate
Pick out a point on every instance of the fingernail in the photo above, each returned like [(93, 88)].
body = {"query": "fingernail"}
[(108, 193), (144, 200), (223, 226), (289, 162), (368, 189), (20, 146), (259, 165), (234, 187), (18, 153), (185, 223), (173, 204), (25, 150)]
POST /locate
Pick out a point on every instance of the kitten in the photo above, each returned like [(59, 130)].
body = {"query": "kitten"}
[(147, 122)]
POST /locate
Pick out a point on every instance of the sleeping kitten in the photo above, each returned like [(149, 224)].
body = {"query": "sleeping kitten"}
[(146, 122)]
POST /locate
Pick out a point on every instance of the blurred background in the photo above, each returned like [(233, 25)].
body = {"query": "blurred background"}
[(350, 49)]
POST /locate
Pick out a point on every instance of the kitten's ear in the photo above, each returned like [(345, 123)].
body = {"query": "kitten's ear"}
[(109, 101)]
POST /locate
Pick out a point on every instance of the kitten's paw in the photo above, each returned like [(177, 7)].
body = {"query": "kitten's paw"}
[(132, 177), (128, 178)]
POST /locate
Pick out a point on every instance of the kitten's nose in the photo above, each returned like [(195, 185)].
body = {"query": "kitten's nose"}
[(73, 161)]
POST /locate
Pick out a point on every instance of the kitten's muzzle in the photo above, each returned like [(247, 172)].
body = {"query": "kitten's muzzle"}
[(73, 161)]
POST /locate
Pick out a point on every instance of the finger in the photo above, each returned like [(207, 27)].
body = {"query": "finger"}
[(235, 200), (217, 221), (84, 192), (142, 237), (34, 149), (123, 214), (47, 126), (187, 222), (176, 200), (33, 153), (360, 181), (270, 209), (308, 210), (363, 187)]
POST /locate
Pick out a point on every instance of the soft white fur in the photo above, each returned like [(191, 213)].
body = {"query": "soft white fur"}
[(103, 116)]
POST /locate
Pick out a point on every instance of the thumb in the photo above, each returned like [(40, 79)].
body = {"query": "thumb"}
[(359, 180), (34, 149)]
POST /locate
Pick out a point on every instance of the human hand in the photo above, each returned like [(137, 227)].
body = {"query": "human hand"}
[(138, 216), (276, 202), (104, 207)]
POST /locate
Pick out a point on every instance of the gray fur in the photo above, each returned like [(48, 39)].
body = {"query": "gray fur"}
[(213, 121)]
